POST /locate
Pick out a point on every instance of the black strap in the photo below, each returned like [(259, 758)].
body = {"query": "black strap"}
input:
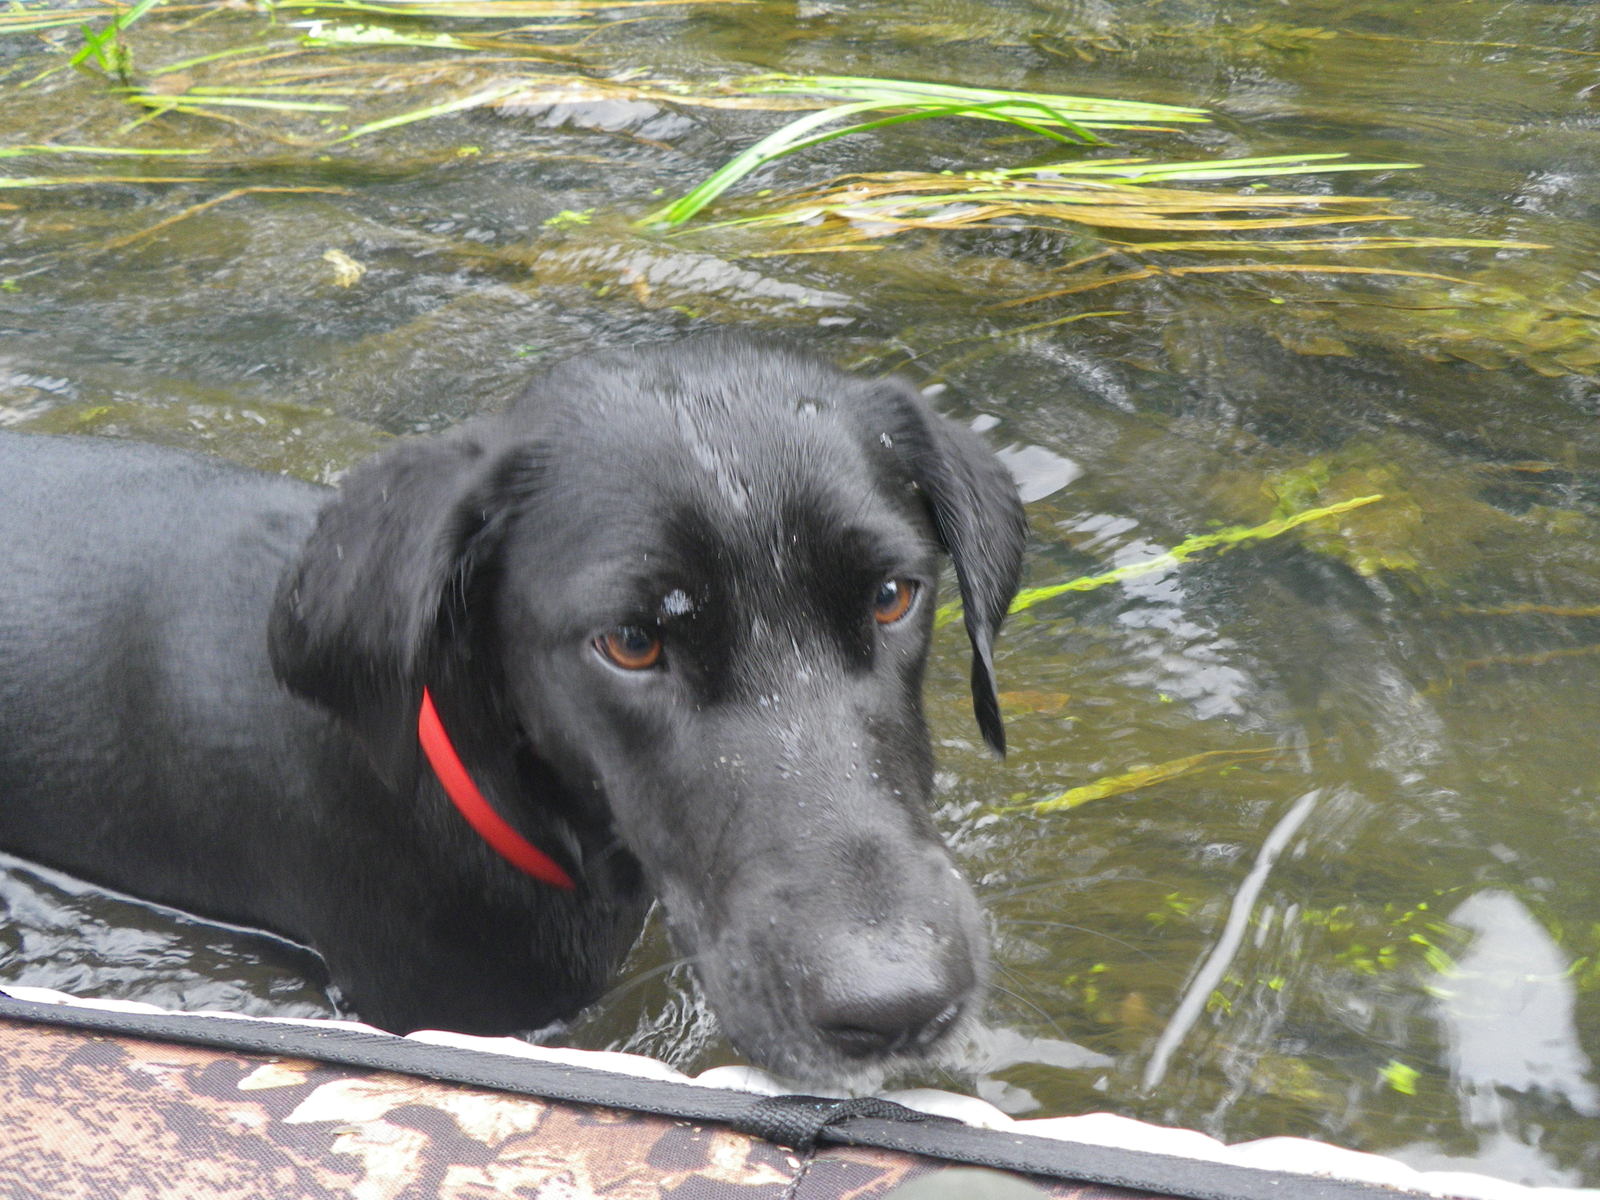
[(798, 1121), (847, 1122)]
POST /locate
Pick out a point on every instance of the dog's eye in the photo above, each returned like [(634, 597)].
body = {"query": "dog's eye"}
[(893, 601), (631, 647)]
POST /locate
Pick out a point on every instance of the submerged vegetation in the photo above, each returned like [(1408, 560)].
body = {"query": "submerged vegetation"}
[(1145, 777), (194, 95), (1222, 539), (1067, 119)]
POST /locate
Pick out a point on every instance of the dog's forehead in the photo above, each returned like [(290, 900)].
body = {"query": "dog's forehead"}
[(760, 486), (758, 456), (724, 450)]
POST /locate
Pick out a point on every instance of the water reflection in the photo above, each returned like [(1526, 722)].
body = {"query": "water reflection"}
[(1507, 1013), (63, 934), (996, 1049), (1183, 655), (1215, 967)]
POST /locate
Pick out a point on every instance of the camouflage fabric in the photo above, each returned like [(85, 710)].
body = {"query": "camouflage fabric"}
[(87, 1117)]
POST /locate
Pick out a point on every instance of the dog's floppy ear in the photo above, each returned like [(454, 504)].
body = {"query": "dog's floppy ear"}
[(980, 521), (383, 582)]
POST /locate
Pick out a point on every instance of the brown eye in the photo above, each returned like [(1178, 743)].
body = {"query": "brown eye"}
[(631, 647), (893, 600)]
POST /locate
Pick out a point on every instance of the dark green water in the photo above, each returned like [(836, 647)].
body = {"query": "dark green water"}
[(1382, 930)]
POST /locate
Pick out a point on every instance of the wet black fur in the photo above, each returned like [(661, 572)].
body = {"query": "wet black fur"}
[(209, 681)]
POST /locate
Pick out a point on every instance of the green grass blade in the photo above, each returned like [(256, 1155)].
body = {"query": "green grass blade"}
[(323, 35), (908, 91), (133, 14), (15, 22), (202, 59), (476, 100), (1141, 170), (518, 10), (1142, 777), (947, 110), (51, 148), (189, 102), (1034, 112), (774, 145), (1184, 550), (1132, 167), (42, 181), (104, 45), (789, 139), (94, 45), (1236, 169)]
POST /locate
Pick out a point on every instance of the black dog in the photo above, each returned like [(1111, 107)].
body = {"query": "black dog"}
[(671, 612)]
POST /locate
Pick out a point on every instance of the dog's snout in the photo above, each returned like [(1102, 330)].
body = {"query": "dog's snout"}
[(888, 1008)]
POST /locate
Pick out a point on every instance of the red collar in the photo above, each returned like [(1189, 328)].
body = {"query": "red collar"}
[(470, 802)]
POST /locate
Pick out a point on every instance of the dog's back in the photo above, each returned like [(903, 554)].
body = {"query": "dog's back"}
[(133, 659)]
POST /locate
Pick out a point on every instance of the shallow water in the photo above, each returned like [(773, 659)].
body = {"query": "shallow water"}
[(1370, 914)]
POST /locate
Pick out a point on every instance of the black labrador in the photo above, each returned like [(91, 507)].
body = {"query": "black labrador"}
[(657, 630)]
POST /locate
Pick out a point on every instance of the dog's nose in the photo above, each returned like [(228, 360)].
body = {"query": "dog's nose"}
[(887, 1010)]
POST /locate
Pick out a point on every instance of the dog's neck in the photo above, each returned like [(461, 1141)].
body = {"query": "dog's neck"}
[(475, 808)]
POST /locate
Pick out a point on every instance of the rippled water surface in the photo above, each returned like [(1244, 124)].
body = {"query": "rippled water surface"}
[(1339, 877)]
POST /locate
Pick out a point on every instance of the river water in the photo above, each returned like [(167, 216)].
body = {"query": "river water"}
[(1339, 879)]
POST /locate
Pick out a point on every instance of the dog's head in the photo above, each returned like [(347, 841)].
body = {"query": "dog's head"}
[(700, 581)]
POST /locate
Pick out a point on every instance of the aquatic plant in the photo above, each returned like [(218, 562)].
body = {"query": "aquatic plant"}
[(1221, 539), (859, 209), (357, 70), (22, 19), (1135, 197), (106, 48), (506, 10), (1143, 777), (1068, 119)]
